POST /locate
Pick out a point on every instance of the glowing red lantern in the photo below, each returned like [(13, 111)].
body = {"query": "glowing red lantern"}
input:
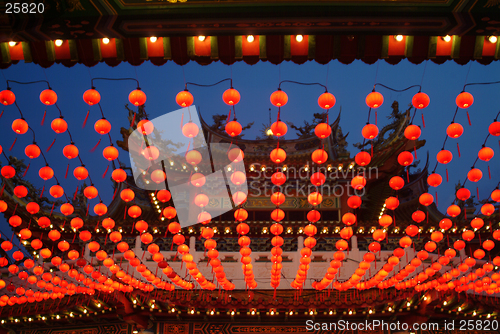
[(363, 158), (385, 220), (100, 209), (20, 191), (318, 179), (56, 191), (191, 130), (127, 195), (241, 214), (91, 97), (463, 194), (239, 197), (454, 130), (412, 132), (198, 180), (374, 99), (405, 158), (358, 182), (434, 179), (391, 203), (349, 218), (7, 97), (48, 97), (494, 128), (445, 223), (15, 221), (8, 172), (184, 98), (137, 97), (233, 128), (141, 226), (468, 235), (369, 131), (231, 97), (235, 154), (70, 151), (278, 155), (102, 126), (43, 222), (319, 156), (426, 199), (354, 202), (32, 151), (110, 153), (374, 247), (169, 212), (412, 230), (119, 175), (134, 211), (45, 253), (322, 130), (444, 156), (3, 206), (418, 216), (405, 242), (453, 210), (90, 192), (158, 176), (278, 178), (163, 195), (396, 182), (488, 245), (495, 195), (279, 98), (193, 157), (201, 200), (59, 125), (277, 215), (67, 209), (279, 128), (326, 100), (486, 154), (32, 208), (464, 100), (420, 100), (313, 216), (474, 175), (80, 173), (315, 198), (19, 126), (487, 209)]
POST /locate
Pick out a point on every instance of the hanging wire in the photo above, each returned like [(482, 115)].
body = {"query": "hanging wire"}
[(302, 83)]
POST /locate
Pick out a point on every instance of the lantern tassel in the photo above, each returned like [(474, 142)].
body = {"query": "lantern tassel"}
[(1, 114), (24, 174), (228, 116), (437, 198), (375, 117), (182, 120), (133, 120), (76, 192), (415, 150), (477, 192), (372, 149), (407, 175), (114, 194), (12, 146), (67, 170), (489, 171), (43, 189), (43, 118), (1, 191), (468, 118), (105, 172), (423, 120), (51, 210), (447, 178), (50, 146), (458, 148), (95, 147), (86, 118)]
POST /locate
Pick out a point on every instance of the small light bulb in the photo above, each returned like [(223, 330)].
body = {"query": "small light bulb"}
[(153, 39), (447, 38), (12, 43), (201, 38), (58, 42), (398, 38), (492, 39), (299, 38), (250, 38), (105, 40)]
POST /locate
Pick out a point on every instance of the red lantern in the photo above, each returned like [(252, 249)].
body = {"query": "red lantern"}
[(56, 191), (363, 158), (444, 156), (453, 210), (15, 221), (374, 247), (193, 157), (239, 197), (374, 99), (19, 126), (278, 155), (445, 223), (488, 245), (385, 220), (134, 211), (322, 130), (163, 195), (20, 191), (240, 215), (32, 151), (318, 179), (102, 126), (349, 218), (278, 178), (487, 209), (277, 198), (418, 216), (420, 100), (231, 97), (84, 236), (141, 226), (369, 131), (279, 98), (495, 195), (486, 154), (137, 97), (3, 206), (477, 223), (198, 180), (127, 195), (8, 172), (412, 132), (279, 128), (455, 130), (119, 175), (59, 125), (184, 98), (235, 155), (201, 200), (91, 97), (80, 173), (100, 209), (468, 235), (90, 192), (412, 230), (48, 97), (358, 182), (396, 182), (7, 97), (354, 202), (405, 158), (67, 209), (145, 126), (313, 216), (190, 130), (474, 175), (315, 198), (494, 128), (463, 194), (464, 100), (43, 222), (169, 212), (326, 100), (426, 199), (430, 246), (405, 242), (391, 203), (434, 179), (32, 208), (319, 156), (233, 128), (70, 151), (110, 153), (158, 176)]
